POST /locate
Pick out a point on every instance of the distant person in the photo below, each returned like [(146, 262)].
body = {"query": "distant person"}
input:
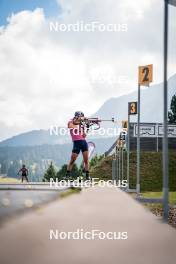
[(78, 136), (24, 173)]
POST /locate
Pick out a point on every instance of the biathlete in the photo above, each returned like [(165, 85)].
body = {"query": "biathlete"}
[(24, 173), (78, 135)]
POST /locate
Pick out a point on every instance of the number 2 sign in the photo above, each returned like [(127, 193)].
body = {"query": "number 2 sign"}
[(145, 74)]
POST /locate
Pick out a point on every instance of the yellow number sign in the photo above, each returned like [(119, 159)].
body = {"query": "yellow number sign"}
[(125, 124), (145, 75), (132, 108)]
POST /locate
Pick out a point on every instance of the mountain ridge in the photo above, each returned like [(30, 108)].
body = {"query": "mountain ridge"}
[(117, 107), (151, 98)]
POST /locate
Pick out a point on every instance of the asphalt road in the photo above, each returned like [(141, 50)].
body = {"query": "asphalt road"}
[(19, 200), (28, 239)]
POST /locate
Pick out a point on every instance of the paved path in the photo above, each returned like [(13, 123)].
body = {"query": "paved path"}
[(13, 202), (26, 239), (30, 186)]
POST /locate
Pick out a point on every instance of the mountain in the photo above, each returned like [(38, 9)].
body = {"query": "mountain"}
[(151, 111), (59, 153), (38, 147), (151, 103), (35, 138), (38, 158)]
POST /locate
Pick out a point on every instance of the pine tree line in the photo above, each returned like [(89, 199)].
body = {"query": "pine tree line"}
[(52, 172), (172, 112)]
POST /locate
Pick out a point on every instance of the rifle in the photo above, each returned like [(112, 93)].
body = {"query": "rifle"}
[(94, 121)]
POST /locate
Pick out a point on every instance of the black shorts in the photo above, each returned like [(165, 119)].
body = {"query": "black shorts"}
[(79, 145)]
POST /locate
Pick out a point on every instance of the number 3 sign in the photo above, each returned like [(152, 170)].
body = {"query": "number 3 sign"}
[(145, 75), (132, 108)]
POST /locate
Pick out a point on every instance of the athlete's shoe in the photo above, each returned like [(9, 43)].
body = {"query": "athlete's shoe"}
[(67, 176), (87, 176)]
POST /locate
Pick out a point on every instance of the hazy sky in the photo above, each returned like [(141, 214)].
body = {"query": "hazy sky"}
[(46, 75)]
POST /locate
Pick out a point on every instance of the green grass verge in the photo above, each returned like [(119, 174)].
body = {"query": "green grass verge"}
[(69, 192), (9, 180), (151, 170), (172, 196)]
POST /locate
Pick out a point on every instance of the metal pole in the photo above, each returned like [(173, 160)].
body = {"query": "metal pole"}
[(116, 164), (157, 144), (165, 123), (122, 161), (138, 143), (128, 153), (157, 140), (113, 171), (119, 164)]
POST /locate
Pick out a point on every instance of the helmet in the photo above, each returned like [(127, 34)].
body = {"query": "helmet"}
[(79, 114), (23, 165)]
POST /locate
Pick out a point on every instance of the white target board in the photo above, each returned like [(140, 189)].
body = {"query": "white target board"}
[(154, 130), (171, 131), (145, 130)]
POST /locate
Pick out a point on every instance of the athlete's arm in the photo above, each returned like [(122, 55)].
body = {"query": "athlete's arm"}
[(84, 135), (19, 172), (74, 123)]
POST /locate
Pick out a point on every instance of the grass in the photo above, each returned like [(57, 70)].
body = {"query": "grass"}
[(8, 180), (151, 170), (102, 170), (172, 196), (69, 192)]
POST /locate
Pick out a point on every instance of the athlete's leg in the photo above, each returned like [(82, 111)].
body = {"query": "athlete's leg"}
[(72, 160), (27, 178), (86, 163), (86, 160), (75, 153)]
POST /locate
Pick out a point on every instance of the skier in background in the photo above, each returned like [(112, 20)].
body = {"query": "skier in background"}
[(24, 173)]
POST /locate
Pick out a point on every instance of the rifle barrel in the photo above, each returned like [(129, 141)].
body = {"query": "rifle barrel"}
[(101, 120), (107, 120)]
